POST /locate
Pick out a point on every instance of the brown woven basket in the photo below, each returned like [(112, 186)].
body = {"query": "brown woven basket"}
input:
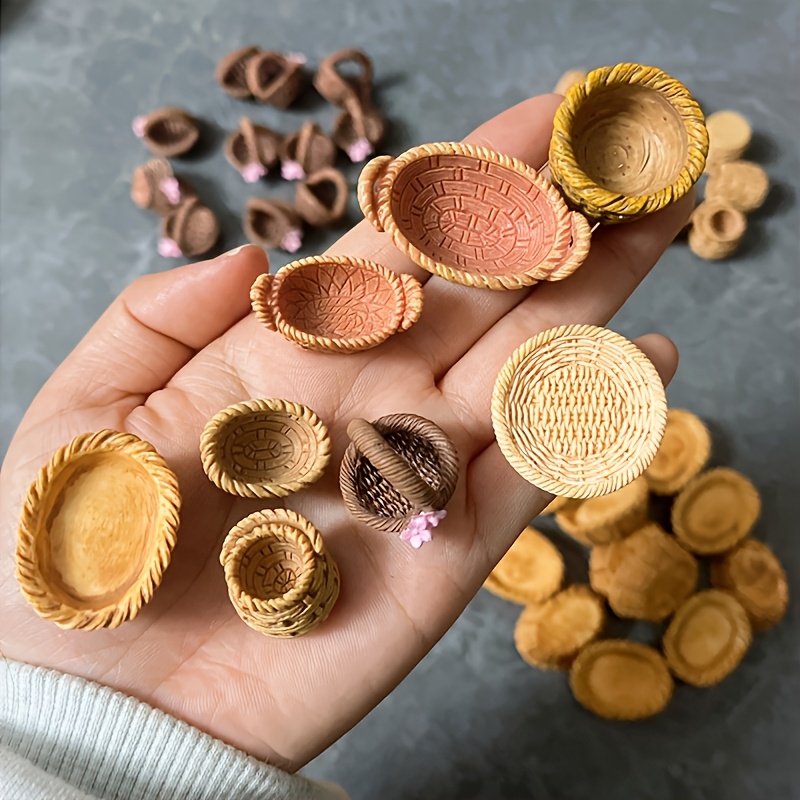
[(274, 78), (154, 187), (97, 530), (321, 199), (396, 468), (627, 141), (168, 131), (273, 223), (336, 304), (306, 151), (231, 72), (579, 411), (191, 227), (281, 579), (473, 216), (264, 448), (252, 149)]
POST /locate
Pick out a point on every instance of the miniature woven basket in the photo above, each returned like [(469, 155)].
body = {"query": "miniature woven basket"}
[(338, 304), (192, 226), (281, 579), (264, 448), (231, 72), (97, 530), (579, 411), (473, 216), (273, 223), (396, 467), (627, 141), (168, 131), (252, 149), (321, 199), (154, 187), (274, 78)]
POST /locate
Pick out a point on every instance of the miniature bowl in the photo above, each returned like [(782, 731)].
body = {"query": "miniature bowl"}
[(627, 141), (264, 448), (97, 530), (473, 216), (338, 304)]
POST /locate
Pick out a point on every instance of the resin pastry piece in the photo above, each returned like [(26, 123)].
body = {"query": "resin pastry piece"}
[(231, 72), (252, 149), (550, 635), (715, 511), (684, 451), (621, 680), (281, 579), (604, 519), (740, 184), (531, 571), (190, 230), (272, 224), (337, 304), (398, 474), (755, 577), (729, 135), (707, 638), (264, 448), (627, 141), (167, 132), (578, 411), (321, 199), (154, 187), (97, 530), (473, 216), (646, 576), (305, 152), (275, 78), (717, 230)]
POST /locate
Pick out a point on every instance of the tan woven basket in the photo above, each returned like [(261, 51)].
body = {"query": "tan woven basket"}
[(473, 216), (337, 304), (578, 411), (395, 468), (264, 448), (627, 141), (281, 579), (97, 530), (168, 131)]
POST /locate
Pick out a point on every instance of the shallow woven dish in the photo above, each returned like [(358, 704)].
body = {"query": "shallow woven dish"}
[(281, 579), (264, 448), (627, 141), (97, 530), (578, 411), (404, 465), (473, 216), (338, 304)]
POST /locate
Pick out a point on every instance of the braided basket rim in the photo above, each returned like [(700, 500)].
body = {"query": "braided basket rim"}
[(36, 589), (551, 483), (213, 464), (375, 202), (608, 206)]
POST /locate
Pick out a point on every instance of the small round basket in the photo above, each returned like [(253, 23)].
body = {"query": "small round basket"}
[(579, 411), (337, 304), (627, 141), (264, 448), (97, 530), (396, 468), (281, 579), (473, 216)]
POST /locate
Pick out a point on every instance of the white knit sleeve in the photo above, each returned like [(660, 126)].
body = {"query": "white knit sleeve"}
[(67, 738)]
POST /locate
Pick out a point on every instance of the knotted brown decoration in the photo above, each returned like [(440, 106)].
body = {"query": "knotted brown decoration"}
[(190, 230), (321, 199), (395, 468), (168, 131), (154, 187), (337, 304), (231, 72), (281, 578), (272, 224), (252, 149), (306, 151), (275, 78)]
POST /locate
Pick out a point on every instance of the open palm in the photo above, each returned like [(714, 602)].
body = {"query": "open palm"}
[(178, 346)]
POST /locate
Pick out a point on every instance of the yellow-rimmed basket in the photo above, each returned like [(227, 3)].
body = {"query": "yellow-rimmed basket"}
[(627, 141)]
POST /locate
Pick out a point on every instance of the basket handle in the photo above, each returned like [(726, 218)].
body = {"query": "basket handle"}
[(367, 187), (392, 466), (413, 308), (259, 299)]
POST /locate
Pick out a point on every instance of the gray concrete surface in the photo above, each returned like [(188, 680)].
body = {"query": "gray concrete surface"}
[(472, 721)]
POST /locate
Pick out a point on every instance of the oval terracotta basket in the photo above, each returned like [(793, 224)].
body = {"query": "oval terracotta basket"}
[(579, 411), (97, 530), (264, 448), (395, 468), (336, 304), (627, 141), (473, 216), (281, 579)]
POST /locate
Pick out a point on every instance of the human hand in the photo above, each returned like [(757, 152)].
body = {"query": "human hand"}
[(178, 346)]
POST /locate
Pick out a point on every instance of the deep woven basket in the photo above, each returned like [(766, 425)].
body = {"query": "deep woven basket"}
[(281, 579), (396, 467), (579, 411), (627, 141)]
